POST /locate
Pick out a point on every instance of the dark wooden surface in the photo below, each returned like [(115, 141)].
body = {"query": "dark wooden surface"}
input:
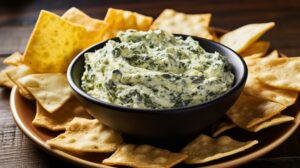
[(18, 17)]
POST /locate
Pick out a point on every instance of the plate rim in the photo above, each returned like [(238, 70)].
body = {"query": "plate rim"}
[(76, 160)]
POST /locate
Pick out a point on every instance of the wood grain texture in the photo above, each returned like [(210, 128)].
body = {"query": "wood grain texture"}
[(17, 19)]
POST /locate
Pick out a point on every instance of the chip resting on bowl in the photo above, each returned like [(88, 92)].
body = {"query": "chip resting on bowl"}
[(4, 79), (241, 38), (204, 148), (18, 72), (61, 118), (145, 156), (120, 20), (249, 111), (54, 42), (51, 90), (87, 135), (181, 23), (97, 29)]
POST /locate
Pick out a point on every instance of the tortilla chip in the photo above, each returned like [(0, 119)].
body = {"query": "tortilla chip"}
[(279, 119), (221, 126), (14, 59), (85, 135), (281, 73), (18, 72), (181, 23), (54, 42), (97, 29), (4, 79), (121, 20), (249, 111), (256, 88), (61, 118), (273, 54), (144, 156), (24, 92), (205, 149), (51, 90), (214, 35), (257, 49), (241, 38)]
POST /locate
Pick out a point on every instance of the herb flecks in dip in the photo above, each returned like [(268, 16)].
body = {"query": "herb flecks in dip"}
[(155, 70)]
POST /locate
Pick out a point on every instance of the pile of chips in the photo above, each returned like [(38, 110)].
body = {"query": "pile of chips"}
[(39, 74)]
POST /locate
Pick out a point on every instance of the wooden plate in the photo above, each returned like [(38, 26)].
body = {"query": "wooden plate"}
[(23, 112)]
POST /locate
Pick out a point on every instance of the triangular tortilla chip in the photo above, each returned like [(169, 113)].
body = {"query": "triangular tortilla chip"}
[(121, 20), (181, 23), (257, 49), (241, 38), (144, 156), (54, 42), (97, 29), (204, 148), (281, 73), (18, 72), (256, 88), (279, 119), (249, 111), (4, 79), (85, 135), (51, 90), (14, 59), (221, 126), (61, 118)]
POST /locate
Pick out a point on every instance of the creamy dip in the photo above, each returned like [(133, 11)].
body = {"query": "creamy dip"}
[(155, 70)]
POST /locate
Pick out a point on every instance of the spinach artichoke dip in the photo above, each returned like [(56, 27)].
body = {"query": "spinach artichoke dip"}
[(155, 70)]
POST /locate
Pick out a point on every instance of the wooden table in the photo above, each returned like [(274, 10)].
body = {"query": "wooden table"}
[(18, 17)]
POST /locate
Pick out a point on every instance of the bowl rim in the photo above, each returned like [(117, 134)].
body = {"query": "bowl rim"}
[(86, 96)]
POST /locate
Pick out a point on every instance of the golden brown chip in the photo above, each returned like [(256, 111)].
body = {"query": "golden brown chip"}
[(221, 126), (120, 20), (86, 135), (14, 59), (54, 42), (97, 29), (24, 92), (18, 72), (249, 111), (257, 49), (145, 156), (51, 90), (204, 148), (256, 88), (241, 38), (61, 118), (4, 79), (214, 35), (279, 119), (181, 23), (281, 73)]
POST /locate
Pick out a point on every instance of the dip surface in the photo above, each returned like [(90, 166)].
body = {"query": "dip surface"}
[(155, 70)]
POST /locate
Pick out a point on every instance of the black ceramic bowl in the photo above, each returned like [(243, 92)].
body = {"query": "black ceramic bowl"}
[(164, 125)]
